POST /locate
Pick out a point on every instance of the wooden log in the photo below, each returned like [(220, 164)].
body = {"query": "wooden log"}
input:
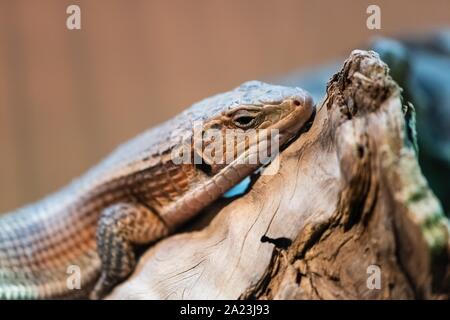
[(348, 215)]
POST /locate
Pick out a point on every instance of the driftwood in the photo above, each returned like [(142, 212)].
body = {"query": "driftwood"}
[(348, 207)]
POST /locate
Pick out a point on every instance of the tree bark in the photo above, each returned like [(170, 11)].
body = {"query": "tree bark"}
[(348, 215)]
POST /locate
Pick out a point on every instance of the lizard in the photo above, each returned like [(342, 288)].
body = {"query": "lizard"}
[(138, 195)]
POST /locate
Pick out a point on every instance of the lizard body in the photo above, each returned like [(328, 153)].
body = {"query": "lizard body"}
[(135, 196)]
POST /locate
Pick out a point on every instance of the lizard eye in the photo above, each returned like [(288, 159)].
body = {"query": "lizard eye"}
[(244, 120)]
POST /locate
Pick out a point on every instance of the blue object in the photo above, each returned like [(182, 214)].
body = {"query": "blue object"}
[(238, 189)]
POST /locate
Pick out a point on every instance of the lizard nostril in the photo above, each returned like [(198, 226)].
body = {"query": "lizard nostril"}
[(297, 103)]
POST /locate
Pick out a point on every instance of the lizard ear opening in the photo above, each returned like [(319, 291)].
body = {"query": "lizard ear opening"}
[(206, 164), (201, 163), (205, 168)]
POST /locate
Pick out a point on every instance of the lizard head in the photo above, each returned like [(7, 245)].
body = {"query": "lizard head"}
[(246, 120), (252, 115)]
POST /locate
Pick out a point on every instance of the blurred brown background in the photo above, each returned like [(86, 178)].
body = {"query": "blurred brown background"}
[(67, 98)]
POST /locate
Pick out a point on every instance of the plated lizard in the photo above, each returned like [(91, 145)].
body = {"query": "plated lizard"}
[(137, 196)]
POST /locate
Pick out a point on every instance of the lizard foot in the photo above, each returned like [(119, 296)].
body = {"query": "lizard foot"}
[(120, 228)]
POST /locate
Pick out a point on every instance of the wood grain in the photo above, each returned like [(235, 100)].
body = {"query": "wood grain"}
[(349, 195)]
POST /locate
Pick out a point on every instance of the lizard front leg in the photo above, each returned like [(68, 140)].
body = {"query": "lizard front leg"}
[(120, 227)]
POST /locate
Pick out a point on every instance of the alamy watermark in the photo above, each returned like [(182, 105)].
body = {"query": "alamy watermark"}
[(73, 21), (373, 21), (73, 281), (374, 279)]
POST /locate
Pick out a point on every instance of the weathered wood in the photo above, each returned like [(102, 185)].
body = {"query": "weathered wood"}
[(349, 195)]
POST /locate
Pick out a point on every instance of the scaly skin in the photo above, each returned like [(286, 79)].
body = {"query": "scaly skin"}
[(135, 196)]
